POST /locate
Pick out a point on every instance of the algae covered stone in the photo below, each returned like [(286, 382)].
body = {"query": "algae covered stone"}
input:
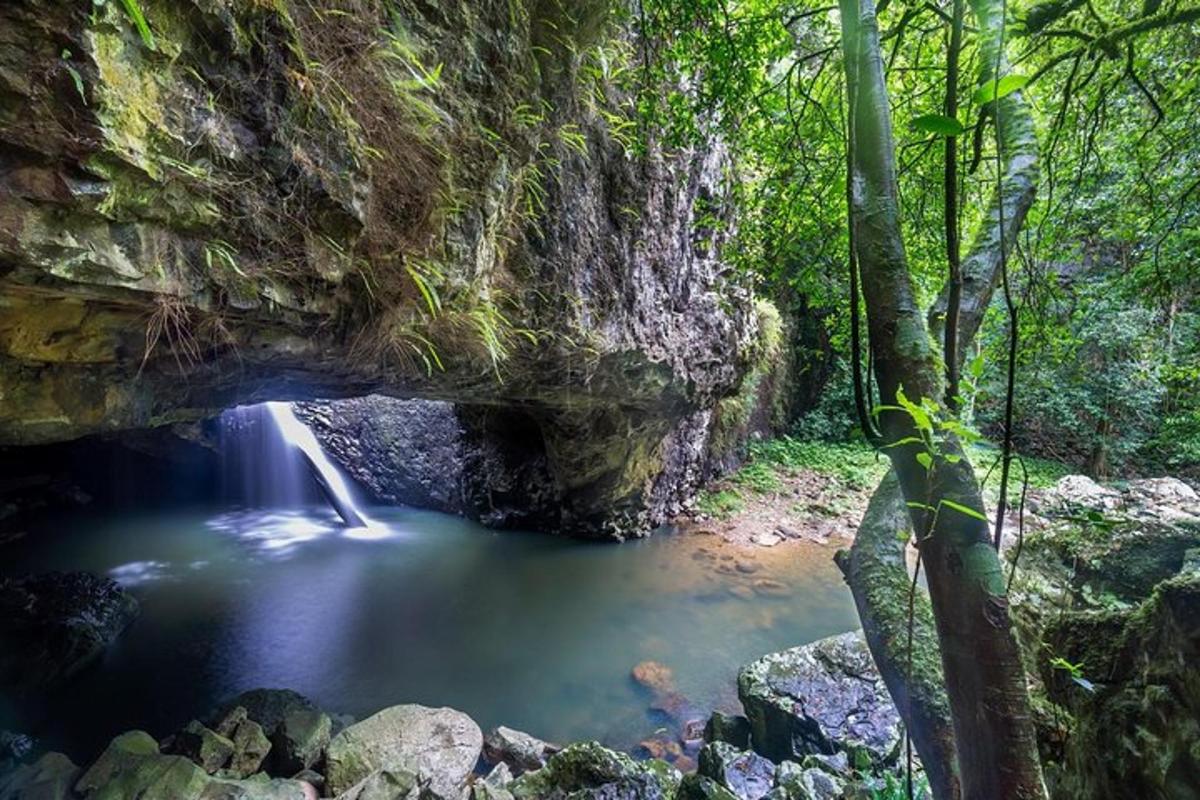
[(588, 770), (300, 740), (439, 745), (824, 697)]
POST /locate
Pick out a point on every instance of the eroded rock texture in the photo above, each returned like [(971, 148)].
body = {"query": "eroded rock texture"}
[(287, 200)]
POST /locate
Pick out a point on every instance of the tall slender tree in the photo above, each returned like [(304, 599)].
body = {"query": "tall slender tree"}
[(996, 749)]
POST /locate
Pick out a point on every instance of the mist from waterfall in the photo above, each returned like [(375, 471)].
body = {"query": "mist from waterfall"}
[(273, 460)]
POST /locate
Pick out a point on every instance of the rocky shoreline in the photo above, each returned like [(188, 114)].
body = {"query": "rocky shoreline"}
[(1110, 651), (274, 744)]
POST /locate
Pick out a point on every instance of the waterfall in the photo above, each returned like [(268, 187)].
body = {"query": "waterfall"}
[(280, 462)]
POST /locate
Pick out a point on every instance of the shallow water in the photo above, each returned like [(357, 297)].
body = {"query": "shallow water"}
[(526, 630)]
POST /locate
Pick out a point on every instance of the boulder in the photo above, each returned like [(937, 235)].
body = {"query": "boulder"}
[(795, 782), (747, 775), (54, 625), (208, 749), (384, 784), (132, 767), (267, 707), (732, 729), (300, 740), (589, 771), (49, 778), (494, 785), (439, 745), (824, 697), (517, 749), (15, 748), (697, 787), (250, 749)]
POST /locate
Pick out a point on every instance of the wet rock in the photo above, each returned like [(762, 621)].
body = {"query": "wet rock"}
[(697, 787), (748, 775), (54, 625), (807, 783), (384, 784), (655, 676), (439, 745), (732, 729), (15, 748), (51, 777), (267, 707), (314, 779), (824, 697), (589, 771), (132, 767), (517, 749), (300, 739), (205, 747), (250, 749)]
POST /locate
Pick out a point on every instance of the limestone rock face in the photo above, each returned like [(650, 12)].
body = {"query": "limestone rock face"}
[(1107, 607), (821, 698), (439, 745), (259, 201), (53, 625)]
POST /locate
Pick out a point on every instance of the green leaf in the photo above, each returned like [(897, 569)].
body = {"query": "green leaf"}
[(922, 506), (139, 21), (905, 440), (960, 508), (939, 124), (994, 90), (925, 460)]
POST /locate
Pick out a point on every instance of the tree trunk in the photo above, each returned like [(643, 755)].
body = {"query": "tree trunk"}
[(878, 576), (985, 681)]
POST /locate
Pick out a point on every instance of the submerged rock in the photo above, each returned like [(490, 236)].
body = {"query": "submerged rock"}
[(655, 676), (54, 625), (824, 697), (439, 745), (589, 771)]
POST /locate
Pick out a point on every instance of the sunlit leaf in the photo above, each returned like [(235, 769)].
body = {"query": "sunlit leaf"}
[(960, 508), (995, 90), (939, 124)]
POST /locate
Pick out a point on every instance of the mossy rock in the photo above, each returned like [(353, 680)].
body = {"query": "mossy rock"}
[(588, 770)]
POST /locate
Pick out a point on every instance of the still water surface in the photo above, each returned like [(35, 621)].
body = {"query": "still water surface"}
[(526, 630)]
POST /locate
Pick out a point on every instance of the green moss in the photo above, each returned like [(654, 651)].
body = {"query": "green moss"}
[(720, 504)]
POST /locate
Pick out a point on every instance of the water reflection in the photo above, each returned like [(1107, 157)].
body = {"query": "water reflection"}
[(525, 630)]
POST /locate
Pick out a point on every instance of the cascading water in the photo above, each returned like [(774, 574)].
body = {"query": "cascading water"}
[(273, 460)]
